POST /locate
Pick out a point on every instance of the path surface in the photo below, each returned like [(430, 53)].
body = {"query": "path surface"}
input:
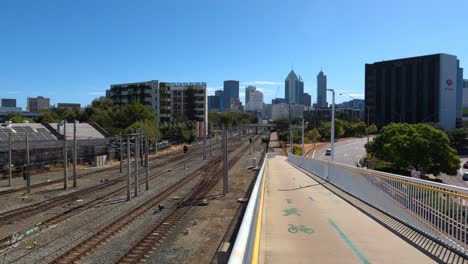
[(303, 222)]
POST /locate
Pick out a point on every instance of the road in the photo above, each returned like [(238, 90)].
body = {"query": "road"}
[(456, 180), (349, 151)]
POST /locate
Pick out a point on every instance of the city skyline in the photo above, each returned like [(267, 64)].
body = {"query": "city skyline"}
[(73, 52)]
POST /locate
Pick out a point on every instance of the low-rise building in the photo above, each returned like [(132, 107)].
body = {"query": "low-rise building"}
[(282, 111), (171, 101), (38, 103), (7, 102), (70, 106)]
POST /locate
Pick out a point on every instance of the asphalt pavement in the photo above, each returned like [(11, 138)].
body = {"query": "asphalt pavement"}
[(349, 151)]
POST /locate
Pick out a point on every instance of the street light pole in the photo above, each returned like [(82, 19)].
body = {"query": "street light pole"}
[(302, 153), (332, 126), (368, 126)]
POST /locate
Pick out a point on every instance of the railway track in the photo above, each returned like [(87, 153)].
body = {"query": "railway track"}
[(32, 209), (23, 212), (176, 155), (208, 173), (87, 246), (153, 239)]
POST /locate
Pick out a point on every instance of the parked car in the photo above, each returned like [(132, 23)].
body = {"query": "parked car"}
[(328, 152), (465, 176), (465, 164)]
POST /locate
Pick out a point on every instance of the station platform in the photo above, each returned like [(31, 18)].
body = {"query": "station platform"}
[(303, 222)]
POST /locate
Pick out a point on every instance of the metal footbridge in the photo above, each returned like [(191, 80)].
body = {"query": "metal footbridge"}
[(303, 210)]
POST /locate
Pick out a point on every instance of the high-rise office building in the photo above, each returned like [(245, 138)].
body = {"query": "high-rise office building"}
[(231, 93), (306, 100), (293, 88), (414, 90), (8, 102), (322, 90), (38, 103), (249, 89), (255, 103), (465, 93), (222, 100)]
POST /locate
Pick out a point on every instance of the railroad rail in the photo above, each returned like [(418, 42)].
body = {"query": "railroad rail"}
[(89, 245), (154, 238), (26, 211), (113, 228)]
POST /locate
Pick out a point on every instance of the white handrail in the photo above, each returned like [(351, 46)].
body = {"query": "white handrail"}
[(438, 210), (242, 250)]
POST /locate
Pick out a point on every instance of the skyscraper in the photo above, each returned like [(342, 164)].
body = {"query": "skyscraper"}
[(255, 103), (220, 93), (293, 88), (249, 89), (322, 90), (231, 92)]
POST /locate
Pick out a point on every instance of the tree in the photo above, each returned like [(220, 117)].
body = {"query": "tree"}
[(313, 135), (359, 129), (48, 116), (418, 146), (372, 129), (16, 118), (282, 124), (458, 137), (326, 129)]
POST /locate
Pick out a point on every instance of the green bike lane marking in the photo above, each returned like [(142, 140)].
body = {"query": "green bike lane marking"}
[(348, 241)]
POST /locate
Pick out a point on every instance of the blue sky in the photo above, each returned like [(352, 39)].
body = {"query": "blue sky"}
[(71, 51)]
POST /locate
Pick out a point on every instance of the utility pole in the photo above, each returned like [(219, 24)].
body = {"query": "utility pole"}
[(156, 140), (137, 153), (26, 168), (225, 165), (10, 174), (204, 146), (128, 170), (302, 152), (367, 123), (121, 151), (253, 144), (291, 141), (65, 156), (211, 135), (27, 149), (333, 126), (142, 146), (75, 162), (147, 159)]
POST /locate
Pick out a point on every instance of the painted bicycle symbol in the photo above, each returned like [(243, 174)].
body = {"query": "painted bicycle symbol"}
[(300, 228)]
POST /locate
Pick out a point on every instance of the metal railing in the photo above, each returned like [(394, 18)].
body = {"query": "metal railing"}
[(243, 247), (439, 211)]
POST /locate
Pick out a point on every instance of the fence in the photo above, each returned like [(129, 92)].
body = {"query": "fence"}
[(243, 247), (438, 210)]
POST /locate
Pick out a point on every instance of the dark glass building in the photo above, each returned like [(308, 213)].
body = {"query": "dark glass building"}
[(8, 102), (231, 92), (413, 90)]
